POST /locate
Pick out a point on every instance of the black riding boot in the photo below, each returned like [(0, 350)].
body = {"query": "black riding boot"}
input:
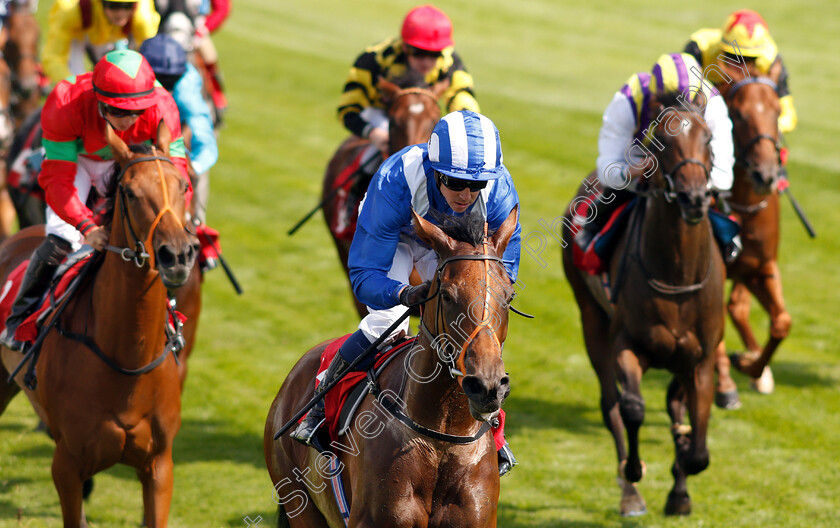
[(506, 460), (35, 282), (312, 422)]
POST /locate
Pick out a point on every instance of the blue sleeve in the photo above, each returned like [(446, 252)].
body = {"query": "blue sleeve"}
[(385, 210), (503, 199), (204, 152)]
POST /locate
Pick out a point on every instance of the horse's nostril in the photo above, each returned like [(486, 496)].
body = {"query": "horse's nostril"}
[(473, 387), (165, 256), (505, 381)]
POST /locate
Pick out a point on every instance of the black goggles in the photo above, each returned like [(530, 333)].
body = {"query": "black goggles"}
[(423, 54), (459, 184), (118, 5), (121, 112)]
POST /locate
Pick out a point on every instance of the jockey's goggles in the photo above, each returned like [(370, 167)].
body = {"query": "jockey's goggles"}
[(459, 184), (422, 54), (121, 112), (106, 4)]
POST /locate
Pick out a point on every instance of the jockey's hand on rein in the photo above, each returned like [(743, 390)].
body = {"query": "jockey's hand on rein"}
[(413, 295), (97, 238)]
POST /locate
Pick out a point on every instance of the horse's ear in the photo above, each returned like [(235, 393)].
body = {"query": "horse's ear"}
[(431, 234), (119, 149), (164, 137), (775, 71), (389, 90), (655, 107), (501, 237), (440, 87)]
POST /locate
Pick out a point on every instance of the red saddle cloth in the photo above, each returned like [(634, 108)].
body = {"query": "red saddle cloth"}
[(337, 396), (595, 258), (28, 329), (343, 221)]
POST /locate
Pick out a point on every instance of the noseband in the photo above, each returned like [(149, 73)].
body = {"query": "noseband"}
[(139, 254)]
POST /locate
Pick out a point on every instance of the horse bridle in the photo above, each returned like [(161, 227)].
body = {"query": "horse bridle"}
[(139, 254), (456, 363), (740, 157)]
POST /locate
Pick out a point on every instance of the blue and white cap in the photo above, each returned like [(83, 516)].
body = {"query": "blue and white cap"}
[(466, 145)]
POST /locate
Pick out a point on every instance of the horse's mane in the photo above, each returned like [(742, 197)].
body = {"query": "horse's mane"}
[(107, 208), (411, 79), (467, 228)]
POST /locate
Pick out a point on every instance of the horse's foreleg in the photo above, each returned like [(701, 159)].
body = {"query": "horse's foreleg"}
[(768, 291), (676, 401), (692, 453), (632, 413), (156, 479), (67, 478), (632, 407)]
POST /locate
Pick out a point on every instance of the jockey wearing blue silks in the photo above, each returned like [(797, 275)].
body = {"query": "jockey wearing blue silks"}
[(459, 172), (169, 62)]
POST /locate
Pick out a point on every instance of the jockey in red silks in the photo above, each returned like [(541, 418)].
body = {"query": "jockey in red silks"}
[(122, 93)]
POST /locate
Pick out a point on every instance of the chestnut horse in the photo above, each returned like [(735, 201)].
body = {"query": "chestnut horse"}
[(398, 477), (413, 113), (754, 108), (668, 309), (122, 402)]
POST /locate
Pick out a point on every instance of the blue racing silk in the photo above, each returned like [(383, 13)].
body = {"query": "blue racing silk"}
[(404, 182), (204, 152)]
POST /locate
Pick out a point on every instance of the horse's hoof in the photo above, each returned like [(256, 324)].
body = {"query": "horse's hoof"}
[(678, 504), (633, 506), (632, 503), (764, 384), (728, 401)]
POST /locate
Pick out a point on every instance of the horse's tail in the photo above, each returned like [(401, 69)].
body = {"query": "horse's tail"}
[(282, 518)]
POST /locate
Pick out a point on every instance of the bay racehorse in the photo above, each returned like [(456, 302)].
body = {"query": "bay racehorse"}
[(413, 112), (398, 477), (667, 310), (106, 386), (754, 108)]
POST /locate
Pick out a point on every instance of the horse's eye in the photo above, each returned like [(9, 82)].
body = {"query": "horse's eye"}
[(129, 194), (184, 186)]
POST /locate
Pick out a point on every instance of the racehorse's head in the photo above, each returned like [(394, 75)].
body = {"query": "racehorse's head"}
[(468, 312), (149, 210), (412, 109), (754, 108), (685, 159)]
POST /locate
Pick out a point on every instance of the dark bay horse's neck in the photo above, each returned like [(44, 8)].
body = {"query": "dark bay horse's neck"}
[(436, 401), (129, 305), (673, 251)]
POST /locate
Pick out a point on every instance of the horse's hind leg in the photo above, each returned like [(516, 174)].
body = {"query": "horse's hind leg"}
[(7, 390), (65, 472), (156, 479)]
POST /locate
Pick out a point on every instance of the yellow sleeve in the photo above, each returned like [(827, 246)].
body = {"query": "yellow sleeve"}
[(787, 119), (458, 95), (145, 23), (63, 26)]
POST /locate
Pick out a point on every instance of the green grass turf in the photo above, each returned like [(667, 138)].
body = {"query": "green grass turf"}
[(544, 73)]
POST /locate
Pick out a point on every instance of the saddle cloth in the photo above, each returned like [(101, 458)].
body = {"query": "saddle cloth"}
[(341, 401), (595, 258), (28, 329)]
